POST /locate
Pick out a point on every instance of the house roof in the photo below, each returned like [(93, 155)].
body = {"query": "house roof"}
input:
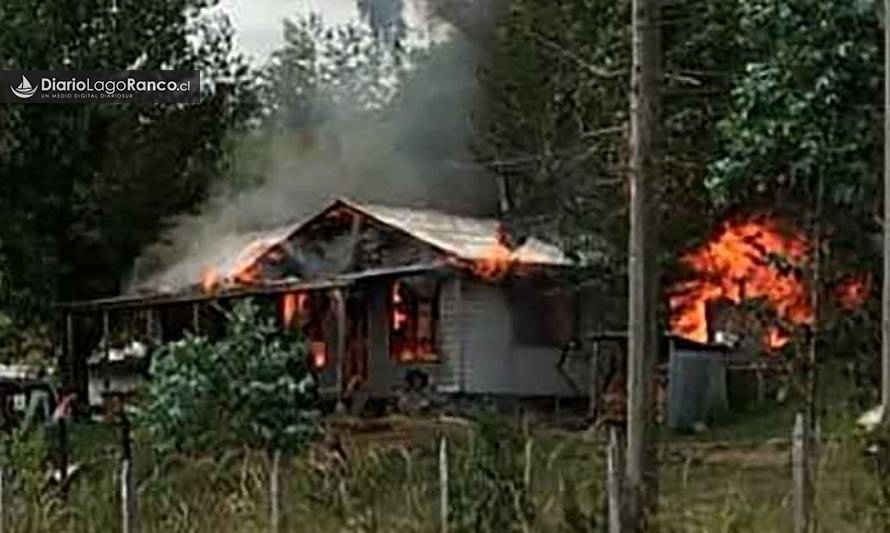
[(463, 237), (468, 238)]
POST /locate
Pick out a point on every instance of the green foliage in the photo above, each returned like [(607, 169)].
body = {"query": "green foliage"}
[(554, 117), (85, 186), (251, 387), (805, 105), (488, 490)]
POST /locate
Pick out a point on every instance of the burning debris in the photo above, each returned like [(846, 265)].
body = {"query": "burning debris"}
[(753, 260)]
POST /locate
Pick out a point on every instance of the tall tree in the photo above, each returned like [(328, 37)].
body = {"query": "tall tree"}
[(87, 185), (802, 138), (386, 19)]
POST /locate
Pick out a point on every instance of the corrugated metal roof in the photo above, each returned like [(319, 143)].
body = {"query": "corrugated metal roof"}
[(463, 237), (468, 238)]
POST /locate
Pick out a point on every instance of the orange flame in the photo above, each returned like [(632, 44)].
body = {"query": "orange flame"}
[(498, 260), (399, 316), (288, 308), (852, 291), (744, 262), (293, 305), (210, 280), (495, 264), (318, 352), (247, 269), (776, 338)]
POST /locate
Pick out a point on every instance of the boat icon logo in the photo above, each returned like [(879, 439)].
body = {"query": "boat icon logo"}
[(24, 90)]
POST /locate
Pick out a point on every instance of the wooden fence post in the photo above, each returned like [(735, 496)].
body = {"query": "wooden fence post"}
[(2, 499), (275, 493), (527, 471), (594, 407), (128, 495), (614, 480), (801, 463), (443, 484)]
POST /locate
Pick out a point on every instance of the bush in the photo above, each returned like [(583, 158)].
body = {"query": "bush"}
[(251, 387)]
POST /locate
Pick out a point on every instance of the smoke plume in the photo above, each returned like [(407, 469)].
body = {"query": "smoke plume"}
[(413, 152)]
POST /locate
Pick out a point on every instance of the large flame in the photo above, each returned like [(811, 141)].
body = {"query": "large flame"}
[(247, 269), (498, 260), (399, 315), (747, 260), (293, 305)]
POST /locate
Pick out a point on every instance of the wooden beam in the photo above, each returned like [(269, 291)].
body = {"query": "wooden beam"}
[(196, 318), (69, 349), (340, 324), (106, 349)]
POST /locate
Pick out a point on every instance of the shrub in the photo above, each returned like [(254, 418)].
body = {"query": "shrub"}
[(251, 387)]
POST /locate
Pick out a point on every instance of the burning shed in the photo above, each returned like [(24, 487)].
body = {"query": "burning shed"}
[(383, 294)]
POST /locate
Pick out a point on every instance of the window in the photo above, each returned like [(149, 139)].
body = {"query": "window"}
[(541, 317), (414, 319)]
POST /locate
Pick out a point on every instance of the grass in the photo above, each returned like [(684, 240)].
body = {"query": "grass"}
[(734, 478)]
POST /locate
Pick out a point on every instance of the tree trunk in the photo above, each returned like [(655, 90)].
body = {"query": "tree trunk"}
[(885, 300), (642, 328)]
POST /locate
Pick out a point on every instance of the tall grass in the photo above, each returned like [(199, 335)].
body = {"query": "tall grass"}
[(502, 480)]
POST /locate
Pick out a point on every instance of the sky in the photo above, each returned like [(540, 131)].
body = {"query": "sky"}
[(258, 22)]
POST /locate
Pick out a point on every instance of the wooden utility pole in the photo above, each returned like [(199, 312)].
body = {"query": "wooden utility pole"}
[(885, 299), (642, 329)]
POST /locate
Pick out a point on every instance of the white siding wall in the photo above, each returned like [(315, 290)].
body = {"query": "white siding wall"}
[(479, 351), (385, 375), (496, 364)]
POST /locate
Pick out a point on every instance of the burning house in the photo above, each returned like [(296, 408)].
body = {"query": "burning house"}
[(387, 297)]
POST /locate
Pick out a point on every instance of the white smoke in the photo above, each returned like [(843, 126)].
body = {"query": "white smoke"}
[(414, 152)]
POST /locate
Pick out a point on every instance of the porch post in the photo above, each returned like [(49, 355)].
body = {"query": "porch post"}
[(340, 315), (70, 363), (106, 350), (196, 318)]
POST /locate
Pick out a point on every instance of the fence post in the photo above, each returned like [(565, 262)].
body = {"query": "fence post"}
[(614, 480), (275, 493), (443, 484), (2, 499), (128, 495), (801, 463), (527, 471)]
